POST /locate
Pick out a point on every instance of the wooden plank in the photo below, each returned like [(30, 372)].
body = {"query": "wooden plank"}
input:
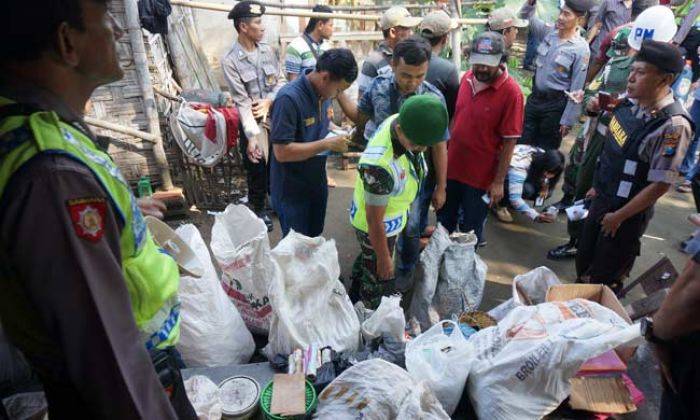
[(288, 397), (647, 305)]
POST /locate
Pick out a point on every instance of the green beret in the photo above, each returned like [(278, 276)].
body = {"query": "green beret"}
[(423, 119)]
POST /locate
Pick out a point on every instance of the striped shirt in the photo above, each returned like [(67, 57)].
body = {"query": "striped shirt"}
[(517, 174), (299, 55)]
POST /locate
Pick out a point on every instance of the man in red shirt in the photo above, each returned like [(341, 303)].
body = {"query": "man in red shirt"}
[(487, 123)]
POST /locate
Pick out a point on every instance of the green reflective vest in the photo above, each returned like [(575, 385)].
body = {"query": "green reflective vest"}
[(151, 276), (407, 179)]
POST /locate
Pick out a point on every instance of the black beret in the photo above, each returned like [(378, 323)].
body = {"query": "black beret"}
[(666, 57), (246, 9), (580, 6)]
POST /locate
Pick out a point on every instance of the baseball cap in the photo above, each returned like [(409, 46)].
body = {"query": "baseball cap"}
[(423, 119), (503, 18), (436, 24), (487, 49), (398, 16)]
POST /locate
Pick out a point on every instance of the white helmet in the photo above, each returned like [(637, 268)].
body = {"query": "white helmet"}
[(656, 23)]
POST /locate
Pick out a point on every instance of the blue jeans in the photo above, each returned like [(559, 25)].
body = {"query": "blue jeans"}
[(467, 199), (689, 160), (530, 50), (408, 245)]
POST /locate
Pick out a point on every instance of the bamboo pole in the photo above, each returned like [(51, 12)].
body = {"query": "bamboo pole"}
[(368, 7), (121, 129), (456, 36), (138, 49), (346, 16)]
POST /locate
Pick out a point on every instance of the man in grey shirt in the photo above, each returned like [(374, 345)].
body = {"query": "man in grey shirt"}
[(397, 24), (442, 74)]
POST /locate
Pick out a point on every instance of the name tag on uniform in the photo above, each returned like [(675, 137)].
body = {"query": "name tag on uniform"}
[(624, 189), (630, 167), (309, 121)]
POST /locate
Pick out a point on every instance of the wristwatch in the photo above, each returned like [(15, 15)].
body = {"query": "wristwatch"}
[(647, 328)]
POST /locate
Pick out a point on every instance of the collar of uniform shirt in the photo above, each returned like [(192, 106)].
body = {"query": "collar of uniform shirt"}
[(42, 99), (418, 91), (649, 111), (396, 143)]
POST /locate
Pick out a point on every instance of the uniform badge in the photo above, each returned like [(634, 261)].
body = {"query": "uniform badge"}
[(670, 142), (309, 121), (88, 215)]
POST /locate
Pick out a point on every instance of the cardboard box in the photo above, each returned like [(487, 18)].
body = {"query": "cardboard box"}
[(601, 395), (597, 293)]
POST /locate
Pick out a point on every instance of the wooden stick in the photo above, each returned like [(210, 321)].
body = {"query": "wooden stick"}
[(121, 129), (167, 95), (369, 7), (346, 16), (138, 49)]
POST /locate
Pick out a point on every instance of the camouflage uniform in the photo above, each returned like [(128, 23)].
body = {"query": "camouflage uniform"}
[(365, 284)]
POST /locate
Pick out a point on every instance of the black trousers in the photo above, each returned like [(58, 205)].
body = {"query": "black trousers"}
[(605, 259), (542, 120), (257, 175), (685, 371), (695, 184)]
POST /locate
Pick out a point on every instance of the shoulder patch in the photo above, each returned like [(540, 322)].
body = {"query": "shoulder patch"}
[(88, 215), (376, 180), (671, 138)]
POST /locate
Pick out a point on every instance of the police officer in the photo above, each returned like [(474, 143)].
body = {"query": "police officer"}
[(253, 73), (613, 80), (84, 290), (584, 154), (391, 170), (561, 64), (646, 141)]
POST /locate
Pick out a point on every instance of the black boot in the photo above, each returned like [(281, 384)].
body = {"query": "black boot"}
[(563, 252)]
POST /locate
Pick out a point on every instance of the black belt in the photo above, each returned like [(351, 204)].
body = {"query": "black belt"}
[(547, 94)]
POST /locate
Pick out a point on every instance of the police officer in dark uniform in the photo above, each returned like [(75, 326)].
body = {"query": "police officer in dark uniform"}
[(646, 141), (561, 66)]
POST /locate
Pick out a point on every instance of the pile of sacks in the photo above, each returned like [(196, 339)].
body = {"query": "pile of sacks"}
[(518, 369), (290, 293)]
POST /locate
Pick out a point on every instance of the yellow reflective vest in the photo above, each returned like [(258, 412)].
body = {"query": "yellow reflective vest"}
[(152, 277), (406, 177)]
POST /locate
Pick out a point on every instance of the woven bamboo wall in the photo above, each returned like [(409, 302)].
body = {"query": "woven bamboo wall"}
[(121, 102)]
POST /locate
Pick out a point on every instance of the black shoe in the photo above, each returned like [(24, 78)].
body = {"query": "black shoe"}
[(564, 203), (562, 252)]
